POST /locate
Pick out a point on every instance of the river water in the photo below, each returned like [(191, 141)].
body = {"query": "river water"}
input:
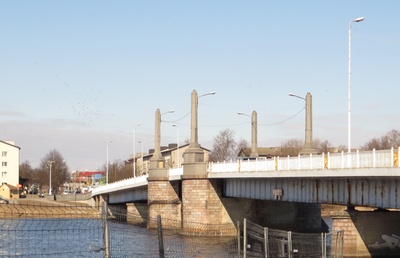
[(84, 238)]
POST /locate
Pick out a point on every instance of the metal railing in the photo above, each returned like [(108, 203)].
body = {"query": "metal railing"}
[(358, 159)]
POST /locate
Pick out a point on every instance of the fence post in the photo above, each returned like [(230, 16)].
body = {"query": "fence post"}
[(160, 237), (106, 236), (266, 243), (358, 159), (323, 244), (244, 238), (289, 244), (238, 237), (374, 157), (391, 157)]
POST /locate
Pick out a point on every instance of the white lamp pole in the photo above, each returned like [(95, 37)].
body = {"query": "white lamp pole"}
[(50, 162), (349, 88), (134, 151), (177, 141), (107, 142), (142, 156)]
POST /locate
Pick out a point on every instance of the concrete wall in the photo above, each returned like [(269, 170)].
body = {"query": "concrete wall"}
[(369, 233)]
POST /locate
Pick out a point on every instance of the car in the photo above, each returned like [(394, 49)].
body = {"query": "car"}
[(3, 200)]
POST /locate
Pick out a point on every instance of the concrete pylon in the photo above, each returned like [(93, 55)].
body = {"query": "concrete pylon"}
[(254, 152), (308, 145), (193, 164), (157, 162)]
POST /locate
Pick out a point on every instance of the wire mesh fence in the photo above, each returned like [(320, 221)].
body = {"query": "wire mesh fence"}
[(73, 230), (265, 242), (66, 230)]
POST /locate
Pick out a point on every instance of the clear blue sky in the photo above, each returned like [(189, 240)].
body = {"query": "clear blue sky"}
[(74, 74)]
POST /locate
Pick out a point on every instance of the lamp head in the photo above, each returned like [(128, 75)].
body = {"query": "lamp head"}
[(360, 19)]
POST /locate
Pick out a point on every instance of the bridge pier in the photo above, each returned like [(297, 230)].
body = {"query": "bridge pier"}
[(369, 233)]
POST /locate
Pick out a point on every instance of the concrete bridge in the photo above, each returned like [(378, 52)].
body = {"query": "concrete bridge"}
[(369, 179), (282, 193)]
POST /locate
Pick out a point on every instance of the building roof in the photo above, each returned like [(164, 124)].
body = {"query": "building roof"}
[(10, 143), (91, 173), (262, 152)]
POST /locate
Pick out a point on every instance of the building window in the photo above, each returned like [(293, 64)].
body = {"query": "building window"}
[(4, 174), (4, 154), (4, 164)]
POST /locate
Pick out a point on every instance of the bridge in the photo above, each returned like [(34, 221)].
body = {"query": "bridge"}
[(369, 178), (281, 192)]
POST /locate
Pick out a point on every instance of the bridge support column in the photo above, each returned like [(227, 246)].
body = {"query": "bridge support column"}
[(202, 205), (163, 199), (369, 233)]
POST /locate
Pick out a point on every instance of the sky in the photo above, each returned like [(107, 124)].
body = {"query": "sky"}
[(75, 75)]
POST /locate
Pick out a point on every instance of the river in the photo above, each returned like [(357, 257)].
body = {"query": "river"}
[(84, 238)]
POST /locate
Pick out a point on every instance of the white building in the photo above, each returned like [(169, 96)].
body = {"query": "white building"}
[(9, 162)]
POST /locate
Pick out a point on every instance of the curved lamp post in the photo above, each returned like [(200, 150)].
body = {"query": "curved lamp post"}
[(360, 19), (107, 143), (50, 162), (134, 150)]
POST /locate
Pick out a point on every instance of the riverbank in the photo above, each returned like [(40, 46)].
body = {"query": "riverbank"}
[(35, 207)]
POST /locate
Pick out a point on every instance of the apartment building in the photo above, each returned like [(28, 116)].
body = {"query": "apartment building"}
[(9, 162)]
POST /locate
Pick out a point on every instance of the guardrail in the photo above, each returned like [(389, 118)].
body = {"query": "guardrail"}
[(358, 159), (120, 184)]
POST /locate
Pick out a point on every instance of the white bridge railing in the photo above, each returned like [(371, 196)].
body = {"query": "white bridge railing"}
[(358, 159)]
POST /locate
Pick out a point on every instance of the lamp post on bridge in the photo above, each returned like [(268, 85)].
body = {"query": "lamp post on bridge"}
[(360, 19), (107, 143), (134, 150), (308, 144), (177, 149), (50, 162), (254, 153)]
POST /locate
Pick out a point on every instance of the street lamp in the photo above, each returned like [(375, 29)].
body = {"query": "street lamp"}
[(107, 142), (50, 162), (177, 141), (308, 145), (209, 93), (360, 19), (134, 151), (254, 153)]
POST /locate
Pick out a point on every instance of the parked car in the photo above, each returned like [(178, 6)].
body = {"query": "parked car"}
[(3, 200)]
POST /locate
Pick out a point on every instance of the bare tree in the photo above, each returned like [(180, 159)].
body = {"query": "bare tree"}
[(291, 147), (59, 170), (389, 140), (26, 170), (224, 147), (118, 171), (242, 145)]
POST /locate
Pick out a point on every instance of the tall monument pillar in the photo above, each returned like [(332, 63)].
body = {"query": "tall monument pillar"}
[(194, 165), (157, 162), (308, 145), (254, 153)]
